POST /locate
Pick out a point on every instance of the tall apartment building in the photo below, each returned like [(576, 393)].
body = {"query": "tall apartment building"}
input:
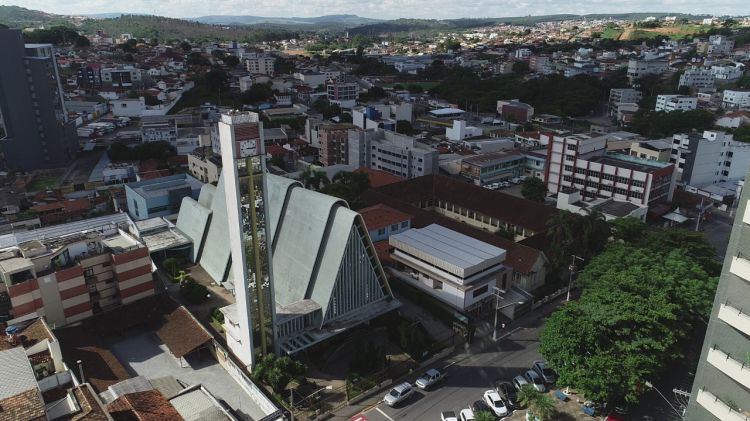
[(38, 133), (334, 143), (394, 153), (67, 273), (669, 103), (728, 73), (89, 76), (121, 76), (262, 65), (716, 45), (619, 96), (638, 68), (721, 389), (581, 162), (709, 158), (697, 77), (515, 110), (342, 90)]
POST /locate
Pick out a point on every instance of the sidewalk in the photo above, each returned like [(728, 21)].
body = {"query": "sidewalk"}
[(482, 341)]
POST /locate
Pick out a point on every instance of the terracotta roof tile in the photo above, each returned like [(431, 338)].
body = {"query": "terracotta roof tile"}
[(91, 407), (379, 178), (246, 131), (150, 405), (27, 406), (100, 366), (181, 332), (381, 216), (29, 335)]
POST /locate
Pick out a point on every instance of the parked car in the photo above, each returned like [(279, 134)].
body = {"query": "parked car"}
[(519, 381), (505, 184), (466, 414), (546, 373), (493, 400), (508, 393), (398, 394), (481, 406), (535, 380), (429, 378), (515, 180), (448, 416)]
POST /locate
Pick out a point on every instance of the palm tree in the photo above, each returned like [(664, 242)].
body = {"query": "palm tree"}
[(560, 227), (484, 416), (313, 179), (543, 407), (527, 395), (594, 232)]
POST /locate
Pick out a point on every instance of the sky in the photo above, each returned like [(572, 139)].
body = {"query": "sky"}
[(383, 9)]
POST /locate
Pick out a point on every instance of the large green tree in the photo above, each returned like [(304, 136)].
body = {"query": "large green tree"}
[(633, 319), (534, 189)]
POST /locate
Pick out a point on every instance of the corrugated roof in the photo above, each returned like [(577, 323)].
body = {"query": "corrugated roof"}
[(16, 375)]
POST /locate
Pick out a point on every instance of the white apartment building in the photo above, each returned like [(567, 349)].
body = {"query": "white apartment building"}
[(342, 91), (638, 68), (454, 268), (736, 98), (314, 79), (698, 77), (391, 152), (581, 162), (260, 65), (461, 131), (122, 76), (728, 73), (669, 103), (709, 158)]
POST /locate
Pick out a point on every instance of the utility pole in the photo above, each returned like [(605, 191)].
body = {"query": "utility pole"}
[(572, 269), (700, 216), (496, 293)]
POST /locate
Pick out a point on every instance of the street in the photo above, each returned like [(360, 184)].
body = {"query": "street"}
[(468, 376)]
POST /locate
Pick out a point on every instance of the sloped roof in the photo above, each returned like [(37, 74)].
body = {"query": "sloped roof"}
[(181, 332), (381, 216), (149, 405), (16, 375), (27, 406), (379, 178)]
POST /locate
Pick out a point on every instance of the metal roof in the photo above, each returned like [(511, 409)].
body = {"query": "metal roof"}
[(104, 224), (449, 250), (16, 375)]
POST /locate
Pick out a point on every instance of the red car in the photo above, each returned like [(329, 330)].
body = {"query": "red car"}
[(615, 417)]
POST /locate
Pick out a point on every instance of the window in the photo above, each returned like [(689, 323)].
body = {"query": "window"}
[(394, 227), (570, 158), (381, 231), (88, 272), (479, 291), (572, 147), (404, 224)]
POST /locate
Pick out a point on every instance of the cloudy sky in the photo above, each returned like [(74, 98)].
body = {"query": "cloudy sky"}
[(384, 9)]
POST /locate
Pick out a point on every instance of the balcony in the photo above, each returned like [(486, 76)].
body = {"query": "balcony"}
[(737, 370), (740, 267), (735, 317), (718, 408)]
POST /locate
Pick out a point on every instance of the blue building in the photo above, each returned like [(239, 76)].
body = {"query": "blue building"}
[(160, 196)]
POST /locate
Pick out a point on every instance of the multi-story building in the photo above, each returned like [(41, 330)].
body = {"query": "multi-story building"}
[(619, 96), (121, 76), (391, 152), (334, 143), (728, 73), (247, 136), (160, 196), (89, 76), (716, 45), (493, 167), (204, 165), (669, 103), (515, 110), (38, 133), (582, 162), (638, 68), (67, 273), (721, 389), (461, 131), (736, 98), (342, 90), (263, 65), (158, 131), (656, 150), (698, 77), (709, 158)]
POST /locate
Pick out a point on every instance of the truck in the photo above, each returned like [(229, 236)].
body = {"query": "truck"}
[(430, 378)]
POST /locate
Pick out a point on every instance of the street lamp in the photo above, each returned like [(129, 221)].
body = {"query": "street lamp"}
[(651, 386), (572, 269), (291, 399), (496, 293)]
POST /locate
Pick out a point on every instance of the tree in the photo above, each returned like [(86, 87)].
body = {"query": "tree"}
[(151, 100), (520, 67), (313, 179), (540, 407), (534, 189), (404, 127), (196, 59), (277, 371), (193, 292), (484, 416), (348, 186), (185, 46), (629, 230), (258, 92), (373, 94), (82, 42), (216, 80), (633, 319), (414, 88), (170, 265), (231, 61)]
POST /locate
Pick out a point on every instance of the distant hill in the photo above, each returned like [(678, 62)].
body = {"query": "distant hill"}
[(104, 15), (18, 17), (142, 26), (344, 20)]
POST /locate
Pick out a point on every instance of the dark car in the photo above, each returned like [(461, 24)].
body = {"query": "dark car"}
[(507, 391), (480, 406)]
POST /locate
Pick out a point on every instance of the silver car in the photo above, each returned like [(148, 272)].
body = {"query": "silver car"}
[(547, 374), (398, 394), (535, 380)]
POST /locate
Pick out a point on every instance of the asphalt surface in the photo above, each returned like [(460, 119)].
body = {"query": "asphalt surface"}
[(468, 376)]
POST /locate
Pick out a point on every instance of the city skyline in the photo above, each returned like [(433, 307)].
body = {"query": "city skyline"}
[(440, 9)]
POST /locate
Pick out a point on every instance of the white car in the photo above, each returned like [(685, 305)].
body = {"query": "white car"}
[(535, 380), (448, 416), (493, 400), (466, 414), (398, 394), (429, 378)]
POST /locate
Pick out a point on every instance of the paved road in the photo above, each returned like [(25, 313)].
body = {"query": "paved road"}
[(469, 375)]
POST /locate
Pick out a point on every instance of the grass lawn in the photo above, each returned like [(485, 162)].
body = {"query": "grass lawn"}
[(42, 182), (611, 33)]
